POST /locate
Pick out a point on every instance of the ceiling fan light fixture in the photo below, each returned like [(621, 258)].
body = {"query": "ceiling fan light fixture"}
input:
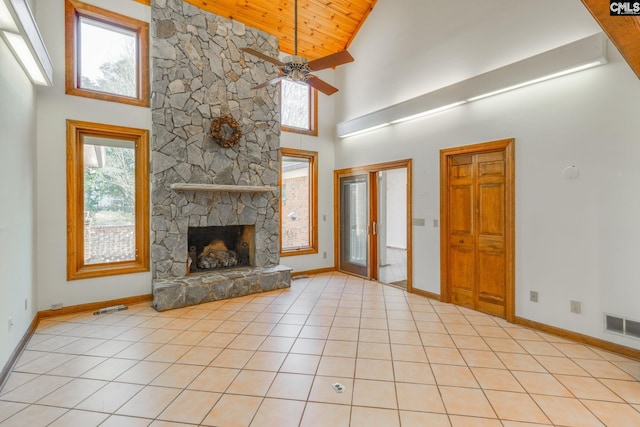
[(298, 68), (295, 59)]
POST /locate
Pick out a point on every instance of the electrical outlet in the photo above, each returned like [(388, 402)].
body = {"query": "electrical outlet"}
[(26, 303), (10, 322), (56, 306), (576, 307), (324, 255), (533, 296)]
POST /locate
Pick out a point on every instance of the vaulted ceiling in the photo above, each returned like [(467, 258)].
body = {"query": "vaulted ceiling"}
[(324, 26)]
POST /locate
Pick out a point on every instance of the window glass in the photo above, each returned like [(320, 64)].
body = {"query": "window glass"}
[(295, 104), (295, 204), (299, 200), (107, 58), (298, 108), (109, 201)]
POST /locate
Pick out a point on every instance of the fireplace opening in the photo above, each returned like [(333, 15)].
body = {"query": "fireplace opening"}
[(218, 247)]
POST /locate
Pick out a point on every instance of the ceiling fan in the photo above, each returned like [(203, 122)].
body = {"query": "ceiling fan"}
[(299, 68)]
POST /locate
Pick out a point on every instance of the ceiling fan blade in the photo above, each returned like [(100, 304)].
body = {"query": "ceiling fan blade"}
[(321, 85), (269, 82), (329, 61), (262, 56)]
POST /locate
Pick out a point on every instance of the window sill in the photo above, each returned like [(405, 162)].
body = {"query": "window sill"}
[(108, 269), (300, 251)]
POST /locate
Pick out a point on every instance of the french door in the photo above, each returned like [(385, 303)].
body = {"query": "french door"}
[(363, 217)]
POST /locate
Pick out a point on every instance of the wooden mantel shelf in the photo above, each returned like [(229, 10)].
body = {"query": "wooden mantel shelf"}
[(219, 187)]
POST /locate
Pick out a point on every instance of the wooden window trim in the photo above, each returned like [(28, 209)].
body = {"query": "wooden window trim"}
[(73, 11), (76, 268), (313, 116), (312, 156)]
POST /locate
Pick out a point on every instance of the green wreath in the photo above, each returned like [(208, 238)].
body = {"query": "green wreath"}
[(226, 130)]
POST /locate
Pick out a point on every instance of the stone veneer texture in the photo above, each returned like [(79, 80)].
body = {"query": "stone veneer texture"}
[(199, 73)]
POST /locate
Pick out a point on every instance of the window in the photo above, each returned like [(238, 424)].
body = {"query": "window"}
[(299, 202), (107, 55), (298, 108), (107, 200)]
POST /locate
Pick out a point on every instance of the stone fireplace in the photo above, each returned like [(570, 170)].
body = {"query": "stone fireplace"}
[(200, 74)]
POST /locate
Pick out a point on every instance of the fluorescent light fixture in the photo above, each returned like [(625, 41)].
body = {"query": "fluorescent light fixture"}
[(6, 20), (538, 80), (427, 113), (366, 130), (570, 58), (21, 33), (20, 48)]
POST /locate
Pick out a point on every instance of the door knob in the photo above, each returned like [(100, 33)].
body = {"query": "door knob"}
[(460, 241)]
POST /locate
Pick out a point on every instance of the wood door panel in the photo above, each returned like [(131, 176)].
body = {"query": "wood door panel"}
[(490, 308), (493, 244), (461, 209), (491, 274), (462, 261), (492, 156), (491, 168), (491, 209)]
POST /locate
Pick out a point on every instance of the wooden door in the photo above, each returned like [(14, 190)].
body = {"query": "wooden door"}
[(477, 215)]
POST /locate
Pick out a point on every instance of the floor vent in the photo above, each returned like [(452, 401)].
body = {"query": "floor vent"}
[(620, 325)]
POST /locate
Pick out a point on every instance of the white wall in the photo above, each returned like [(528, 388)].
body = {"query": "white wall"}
[(54, 108), (324, 145), (17, 202), (575, 240)]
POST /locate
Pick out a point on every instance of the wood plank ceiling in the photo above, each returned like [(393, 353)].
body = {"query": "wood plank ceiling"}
[(324, 26), (624, 31)]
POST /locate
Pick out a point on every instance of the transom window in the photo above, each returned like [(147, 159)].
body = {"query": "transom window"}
[(299, 201), (107, 200), (107, 55), (298, 108)]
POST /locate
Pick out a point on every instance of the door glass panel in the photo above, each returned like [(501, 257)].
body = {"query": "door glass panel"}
[(353, 224)]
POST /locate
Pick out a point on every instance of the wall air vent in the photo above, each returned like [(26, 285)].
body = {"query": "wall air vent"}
[(620, 325), (632, 328)]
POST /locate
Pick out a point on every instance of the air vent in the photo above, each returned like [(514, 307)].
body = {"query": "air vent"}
[(614, 324), (620, 325), (632, 328)]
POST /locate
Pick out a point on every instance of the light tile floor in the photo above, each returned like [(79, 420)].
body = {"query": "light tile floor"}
[(395, 269), (271, 360)]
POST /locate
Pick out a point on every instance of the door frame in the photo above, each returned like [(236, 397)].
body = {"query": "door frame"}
[(373, 214), (508, 145)]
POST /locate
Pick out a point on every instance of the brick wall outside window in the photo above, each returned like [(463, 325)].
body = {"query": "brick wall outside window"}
[(295, 233)]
